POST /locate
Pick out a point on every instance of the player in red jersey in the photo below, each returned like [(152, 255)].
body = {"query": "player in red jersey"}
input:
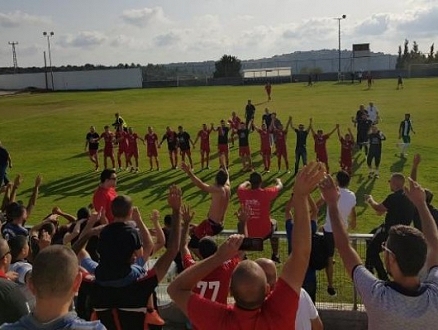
[(122, 139), (152, 147), (204, 135), (133, 149), (171, 138), (347, 145), (265, 146), (108, 151), (234, 123), (280, 135), (268, 89), (320, 144)]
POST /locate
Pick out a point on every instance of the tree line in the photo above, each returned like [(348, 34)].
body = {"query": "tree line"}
[(408, 56)]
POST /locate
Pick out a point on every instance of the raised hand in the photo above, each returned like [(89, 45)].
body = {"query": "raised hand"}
[(187, 214), (230, 247), (415, 193), (308, 178), (329, 190), (174, 199)]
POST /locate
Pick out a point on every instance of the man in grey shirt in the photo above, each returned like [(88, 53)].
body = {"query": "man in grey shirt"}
[(405, 302)]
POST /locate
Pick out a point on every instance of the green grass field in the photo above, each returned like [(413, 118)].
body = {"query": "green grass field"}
[(45, 133)]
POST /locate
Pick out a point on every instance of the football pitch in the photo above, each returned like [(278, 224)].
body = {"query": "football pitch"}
[(45, 134)]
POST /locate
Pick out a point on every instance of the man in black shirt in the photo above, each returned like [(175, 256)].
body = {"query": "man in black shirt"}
[(300, 148), (244, 150), (363, 125), (375, 139), (92, 142), (5, 161), (399, 211), (171, 138), (249, 113), (183, 143), (222, 141)]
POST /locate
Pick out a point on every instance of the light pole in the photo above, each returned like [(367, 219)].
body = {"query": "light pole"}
[(48, 35), (339, 44)]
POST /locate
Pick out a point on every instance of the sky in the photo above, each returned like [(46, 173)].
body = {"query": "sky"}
[(110, 32)]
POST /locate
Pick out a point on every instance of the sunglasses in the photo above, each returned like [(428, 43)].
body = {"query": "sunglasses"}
[(387, 250)]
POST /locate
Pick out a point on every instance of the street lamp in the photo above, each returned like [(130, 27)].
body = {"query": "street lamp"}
[(339, 43), (48, 35)]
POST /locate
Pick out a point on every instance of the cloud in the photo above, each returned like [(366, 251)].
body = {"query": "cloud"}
[(420, 22), (145, 16), (377, 24), (85, 39), (167, 39), (18, 18)]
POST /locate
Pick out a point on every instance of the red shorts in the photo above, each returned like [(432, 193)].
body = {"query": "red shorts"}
[(282, 152), (92, 152), (152, 152), (244, 151), (108, 152), (346, 163), (205, 148), (131, 153), (121, 151), (322, 157), (223, 148), (206, 228), (265, 151), (186, 152)]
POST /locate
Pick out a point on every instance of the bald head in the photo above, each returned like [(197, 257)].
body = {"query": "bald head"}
[(248, 285), (270, 270)]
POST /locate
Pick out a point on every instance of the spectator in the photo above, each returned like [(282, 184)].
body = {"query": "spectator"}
[(399, 211), (404, 131), (5, 162), (252, 310), (249, 113), (405, 302), (105, 193), (257, 201), (12, 301), (307, 315), (373, 113)]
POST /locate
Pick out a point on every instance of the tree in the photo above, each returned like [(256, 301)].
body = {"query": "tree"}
[(227, 66), (430, 57), (399, 64)]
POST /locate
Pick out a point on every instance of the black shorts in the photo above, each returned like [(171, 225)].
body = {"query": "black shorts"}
[(330, 243)]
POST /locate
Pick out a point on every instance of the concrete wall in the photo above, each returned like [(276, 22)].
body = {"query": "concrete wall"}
[(75, 80)]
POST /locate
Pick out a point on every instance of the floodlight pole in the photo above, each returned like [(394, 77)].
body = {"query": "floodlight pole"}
[(339, 44), (48, 35), (14, 54)]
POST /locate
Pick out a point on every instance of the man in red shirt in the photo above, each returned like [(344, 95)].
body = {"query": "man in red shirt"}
[(204, 135), (122, 140), (152, 147), (265, 146), (320, 144), (105, 193), (234, 123), (280, 135), (252, 309), (257, 201), (133, 149), (268, 89), (108, 151), (347, 145)]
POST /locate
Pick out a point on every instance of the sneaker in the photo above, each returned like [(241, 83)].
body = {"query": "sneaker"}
[(376, 175), (136, 170), (370, 175), (331, 291), (275, 258), (154, 318)]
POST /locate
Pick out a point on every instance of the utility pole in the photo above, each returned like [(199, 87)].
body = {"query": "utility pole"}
[(14, 55)]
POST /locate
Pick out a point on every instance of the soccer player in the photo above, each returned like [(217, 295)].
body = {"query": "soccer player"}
[(234, 123), (403, 133), (347, 144), (133, 148), (119, 123), (244, 151), (222, 142), (320, 145), (280, 135), (108, 151), (399, 82), (249, 113), (92, 142), (106, 193), (204, 135), (123, 142), (170, 137), (375, 139), (268, 89), (363, 128), (265, 146), (369, 79), (151, 147), (300, 148), (183, 143)]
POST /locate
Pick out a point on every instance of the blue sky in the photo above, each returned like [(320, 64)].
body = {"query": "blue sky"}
[(125, 31)]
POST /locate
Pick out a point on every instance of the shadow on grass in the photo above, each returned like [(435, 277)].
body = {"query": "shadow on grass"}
[(79, 155), (398, 165)]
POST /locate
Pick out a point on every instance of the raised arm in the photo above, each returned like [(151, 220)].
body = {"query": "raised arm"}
[(351, 134), (197, 181), (187, 217), (339, 133), (289, 124), (6, 198), (310, 124), (148, 244), (163, 263), (17, 182), (70, 218), (159, 233), (296, 265), (378, 207), (333, 130), (349, 256), (414, 170), (34, 196), (68, 237), (418, 197)]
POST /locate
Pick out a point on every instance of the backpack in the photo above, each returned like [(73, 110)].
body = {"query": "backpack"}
[(319, 253)]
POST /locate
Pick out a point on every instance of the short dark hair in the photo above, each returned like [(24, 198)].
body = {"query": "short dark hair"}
[(83, 213), (121, 206), (168, 220), (409, 247), (207, 247), (16, 244), (221, 177), (343, 179), (14, 211), (255, 179), (106, 174)]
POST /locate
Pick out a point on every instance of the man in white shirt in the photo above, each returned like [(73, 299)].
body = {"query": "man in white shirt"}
[(373, 113), (346, 205)]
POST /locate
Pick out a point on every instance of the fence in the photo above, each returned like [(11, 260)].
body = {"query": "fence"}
[(346, 298)]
